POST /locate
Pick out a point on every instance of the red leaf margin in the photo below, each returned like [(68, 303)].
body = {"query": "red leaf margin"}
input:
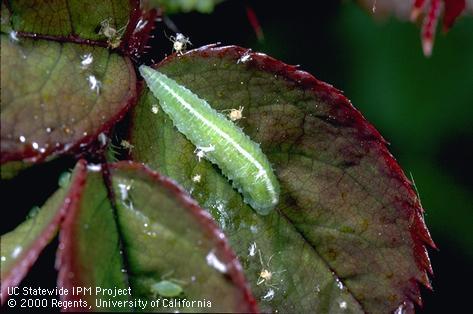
[(29, 256), (344, 114), (65, 261)]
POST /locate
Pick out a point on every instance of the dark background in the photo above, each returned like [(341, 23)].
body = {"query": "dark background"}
[(423, 107)]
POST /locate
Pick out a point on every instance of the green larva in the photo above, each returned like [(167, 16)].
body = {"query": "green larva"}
[(217, 139)]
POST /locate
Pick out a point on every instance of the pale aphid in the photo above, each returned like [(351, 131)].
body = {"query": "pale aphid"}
[(64, 179), (235, 114), (266, 275), (113, 35), (168, 288), (127, 145), (179, 43)]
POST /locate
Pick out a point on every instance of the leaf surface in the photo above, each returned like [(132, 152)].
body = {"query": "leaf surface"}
[(59, 96), (150, 233), (68, 20), (348, 234), (21, 247)]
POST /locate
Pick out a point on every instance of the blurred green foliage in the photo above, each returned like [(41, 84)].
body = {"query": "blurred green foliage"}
[(424, 107)]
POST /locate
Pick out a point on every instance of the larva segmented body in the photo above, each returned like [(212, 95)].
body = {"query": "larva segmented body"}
[(240, 159)]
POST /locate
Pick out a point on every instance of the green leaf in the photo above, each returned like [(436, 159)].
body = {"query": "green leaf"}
[(152, 232), (348, 234), (67, 19), (59, 96), (89, 253), (21, 247)]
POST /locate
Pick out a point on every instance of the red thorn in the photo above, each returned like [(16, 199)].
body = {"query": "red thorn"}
[(453, 8), (428, 29), (417, 9)]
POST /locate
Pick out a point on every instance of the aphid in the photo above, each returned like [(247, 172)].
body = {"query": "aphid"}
[(179, 43), (235, 114), (113, 35), (127, 145), (239, 158), (64, 179), (266, 275), (166, 288), (33, 212)]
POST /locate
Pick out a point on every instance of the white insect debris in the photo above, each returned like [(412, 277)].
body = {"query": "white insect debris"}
[(94, 167), (244, 58), (102, 139), (140, 25), (16, 251), (339, 284), (87, 60), (155, 109), (13, 35), (179, 43), (401, 309), (252, 249), (213, 261), (127, 145), (94, 83), (196, 178), (200, 151), (342, 304), (269, 295), (124, 189), (235, 114)]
